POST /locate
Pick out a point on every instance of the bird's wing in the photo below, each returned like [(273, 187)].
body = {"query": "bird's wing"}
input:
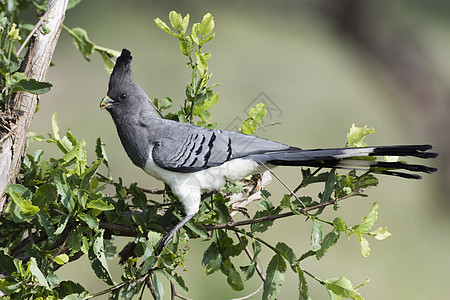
[(186, 148)]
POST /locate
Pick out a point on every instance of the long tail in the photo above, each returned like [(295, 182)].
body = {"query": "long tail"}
[(356, 158)]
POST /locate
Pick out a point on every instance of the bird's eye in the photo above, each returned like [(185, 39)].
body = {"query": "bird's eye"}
[(123, 96)]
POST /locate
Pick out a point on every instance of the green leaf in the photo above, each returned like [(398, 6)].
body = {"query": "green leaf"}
[(274, 277), (342, 287), (364, 243), (7, 262), (175, 19), (368, 221), (11, 65), (340, 225), (207, 25), (256, 114), (100, 205), (187, 45), (206, 105), (61, 259), (97, 258), (158, 286), (55, 126), (21, 190), (380, 233), (72, 4), (261, 226), (251, 268), (34, 269), (18, 82), (27, 209), (328, 241), (45, 194), (356, 136), (234, 279), (316, 235), (164, 27), (174, 277), (287, 252), (185, 24), (82, 42), (302, 285), (92, 222), (107, 55)]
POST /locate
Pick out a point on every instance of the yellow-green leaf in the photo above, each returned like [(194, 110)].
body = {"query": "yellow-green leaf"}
[(61, 259), (356, 136)]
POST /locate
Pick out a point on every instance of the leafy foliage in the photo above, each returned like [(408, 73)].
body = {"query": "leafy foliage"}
[(65, 207)]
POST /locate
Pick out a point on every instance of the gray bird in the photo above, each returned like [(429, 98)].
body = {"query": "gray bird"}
[(193, 160)]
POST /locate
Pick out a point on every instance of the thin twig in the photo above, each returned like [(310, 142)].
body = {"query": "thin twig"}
[(6, 136), (152, 191), (231, 225), (268, 125), (36, 27), (285, 185), (250, 255), (124, 230), (251, 294)]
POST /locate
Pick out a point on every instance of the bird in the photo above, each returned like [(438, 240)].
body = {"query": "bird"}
[(194, 160)]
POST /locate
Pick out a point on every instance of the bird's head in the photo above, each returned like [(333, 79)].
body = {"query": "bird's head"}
[(124, 95)]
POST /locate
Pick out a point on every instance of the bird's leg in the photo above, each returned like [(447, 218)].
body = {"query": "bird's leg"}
[(166, 239)]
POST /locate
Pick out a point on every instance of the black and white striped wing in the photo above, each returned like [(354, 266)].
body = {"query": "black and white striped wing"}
[(193, 151)]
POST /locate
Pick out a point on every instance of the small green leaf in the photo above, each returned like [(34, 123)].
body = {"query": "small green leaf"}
[(302, 285), (340, 225), (6, 262), (34, 269), (45, 194), (356, 136), (11, 65), (380, 233), (72, 4), (342, 287), (274, 277), (316, 235), (164, 27), (261, 226), (100, 205), (256, 114), (175, 19), (158, 286), (61, 259), (328, 241), (207, 25), (98, 259), (174, 277), (82, 42), (92, 222), (287, 252), (234, 279), (185, 24), (18, 83), (364, 243), (368, 221)]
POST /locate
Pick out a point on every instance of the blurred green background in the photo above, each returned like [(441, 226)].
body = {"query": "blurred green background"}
[(325, 65)]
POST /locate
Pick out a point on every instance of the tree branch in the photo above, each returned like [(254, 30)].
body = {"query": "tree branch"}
[(303, 211), (23, 106)]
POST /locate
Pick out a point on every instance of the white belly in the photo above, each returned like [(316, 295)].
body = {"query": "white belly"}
[(188, 187)]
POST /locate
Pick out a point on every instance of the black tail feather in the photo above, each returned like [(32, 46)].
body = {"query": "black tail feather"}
[(356, 158)]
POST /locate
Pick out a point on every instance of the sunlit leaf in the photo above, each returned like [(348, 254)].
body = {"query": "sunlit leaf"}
[(356, 136), (380, 233), (274, 277), (316, 235)]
